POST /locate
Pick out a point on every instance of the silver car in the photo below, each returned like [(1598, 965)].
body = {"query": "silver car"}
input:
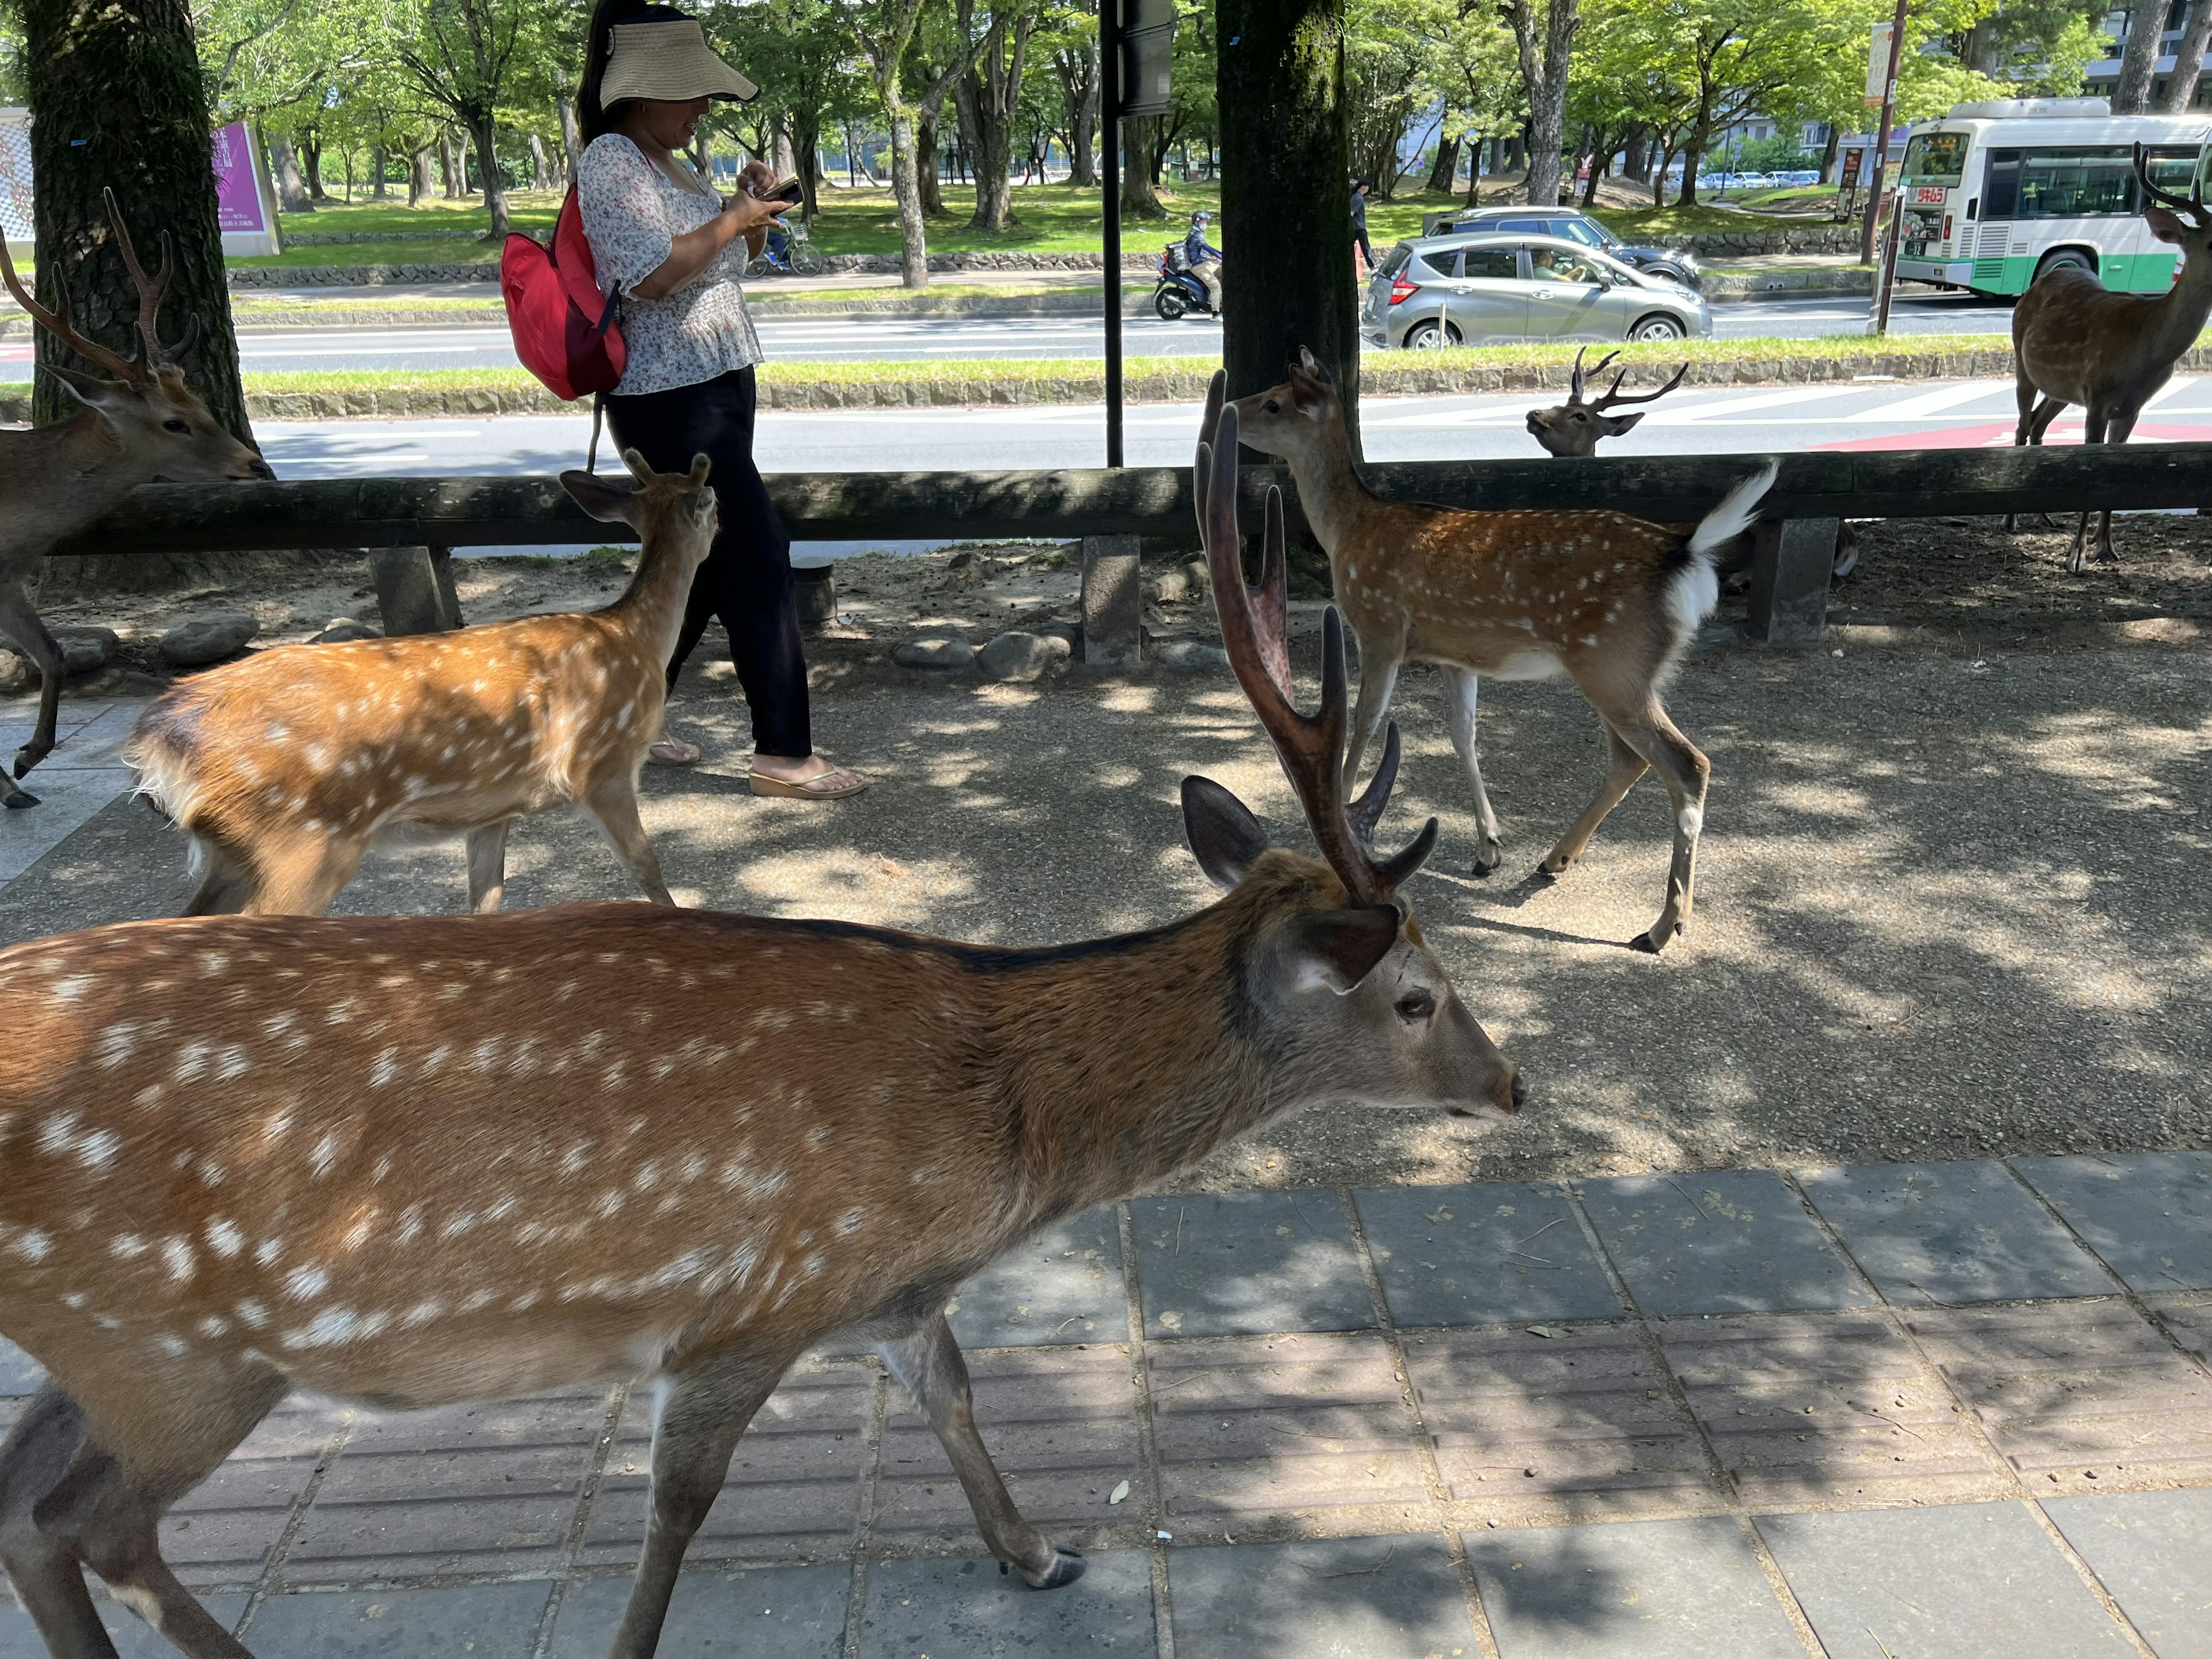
[(1496, 290)]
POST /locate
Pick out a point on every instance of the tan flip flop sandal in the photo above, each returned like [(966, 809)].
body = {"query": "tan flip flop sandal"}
[(672, 752), (824, 787)]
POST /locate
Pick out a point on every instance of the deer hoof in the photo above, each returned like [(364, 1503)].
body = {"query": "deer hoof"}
[(1487, 858), (19, 798), (1066, 1567)]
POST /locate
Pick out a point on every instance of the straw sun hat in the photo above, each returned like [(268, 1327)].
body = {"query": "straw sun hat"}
[(671, 63)]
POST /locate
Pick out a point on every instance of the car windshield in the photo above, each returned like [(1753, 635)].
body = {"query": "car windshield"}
[(1395, 260), (1935, 158), (1586, 232)]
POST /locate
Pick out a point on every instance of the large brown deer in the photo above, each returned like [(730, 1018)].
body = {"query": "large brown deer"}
[(2074, 341), (285, 767), (420, 1161), (144, 426), (1575, 428), (1610, 600)]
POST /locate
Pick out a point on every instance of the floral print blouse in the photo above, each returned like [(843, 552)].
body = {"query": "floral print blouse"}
[(633, 212)]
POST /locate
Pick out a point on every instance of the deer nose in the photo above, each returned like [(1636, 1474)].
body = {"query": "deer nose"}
[(257, 468), (1520, 1091)]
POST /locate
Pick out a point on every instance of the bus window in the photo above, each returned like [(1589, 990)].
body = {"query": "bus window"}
[(1935, 158), (2174, 171), (2003, 199), (2076, 184)]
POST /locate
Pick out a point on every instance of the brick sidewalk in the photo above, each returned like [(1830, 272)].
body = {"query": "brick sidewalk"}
[(1924, 1410)]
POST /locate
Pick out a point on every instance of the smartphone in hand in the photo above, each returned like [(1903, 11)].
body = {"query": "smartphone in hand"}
[(790, 189)]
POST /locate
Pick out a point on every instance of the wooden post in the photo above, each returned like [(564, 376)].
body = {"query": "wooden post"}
[(415, 589), (1113, 611), (1792, 564)]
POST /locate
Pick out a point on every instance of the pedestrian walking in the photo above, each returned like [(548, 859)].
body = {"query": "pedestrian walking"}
[(1360, 187), (677, 249)]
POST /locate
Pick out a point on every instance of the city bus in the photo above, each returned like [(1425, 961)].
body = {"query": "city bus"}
[(1996, 194)]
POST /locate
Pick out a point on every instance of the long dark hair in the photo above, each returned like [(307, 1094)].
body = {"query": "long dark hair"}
[(599, 45)]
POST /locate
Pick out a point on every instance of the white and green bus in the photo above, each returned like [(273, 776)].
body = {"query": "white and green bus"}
[(1995, 194)]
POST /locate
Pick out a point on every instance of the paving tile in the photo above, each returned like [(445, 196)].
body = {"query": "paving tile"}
[(1531, 1429), (67, 800), (1065, 1285), (20, 1374), (967, 1609), (1728, 1241), (1244, 1264), (2148, 1550), (1309, 1431), (2148, 1214), (133, 1637), (1639, 1589), (759, 1612), (1489, 1253), (2079, 1396), (222, 1531), (480, 1621), (2189, 1318), (1965, 1581), (1061, 1425), (793, 1489), (1377, 1598), (1952, 1233), (472, 1489), (1805, 1408)]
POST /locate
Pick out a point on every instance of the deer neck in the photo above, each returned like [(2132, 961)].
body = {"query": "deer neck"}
[(59, 478), (1330, 492), (652, 607), (2181, 313)]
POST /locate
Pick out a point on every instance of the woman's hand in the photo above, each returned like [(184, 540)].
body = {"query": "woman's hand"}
[(756, 178), (748, 213), (746, 216)]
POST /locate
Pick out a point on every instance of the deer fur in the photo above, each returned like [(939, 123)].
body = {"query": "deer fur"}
[(421, 1161), (144, 426), (1610, 600), (284, 767), (2074, 341)]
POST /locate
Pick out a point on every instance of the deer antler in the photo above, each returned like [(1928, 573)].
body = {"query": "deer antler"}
[(152, 291), (57, 322), (2199, 215), (1580, 379), (1613, 396), (1255, 630)]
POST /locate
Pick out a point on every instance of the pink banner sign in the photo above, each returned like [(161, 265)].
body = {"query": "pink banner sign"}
[(237, 197)]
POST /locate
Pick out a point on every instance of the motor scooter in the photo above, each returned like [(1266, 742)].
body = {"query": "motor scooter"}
[(1178, 293)]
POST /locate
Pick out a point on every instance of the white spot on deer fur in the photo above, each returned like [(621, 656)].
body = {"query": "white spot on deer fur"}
[(359, 1234), (851, 1222), (126, 1247), (233, 1062), (116, 1044), (214, 1324), (1690, 820), (182, 1263), (175, 1346), (224, 1238), (304, 1283), (71, 990), (614, 1076), (465, 1222), (421, 1314), (266, 1252), (329, 1328), (385, 1070), (324, 1158), (32, 1244), (410, 1224)]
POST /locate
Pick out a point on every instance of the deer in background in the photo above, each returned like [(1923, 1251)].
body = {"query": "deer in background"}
[(1610, 600), (422, 1161), (144, 426), (1575, 428), (285, 767), (2074, 341)]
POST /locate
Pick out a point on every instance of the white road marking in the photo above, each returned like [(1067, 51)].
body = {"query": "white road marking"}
[(1934, 403)]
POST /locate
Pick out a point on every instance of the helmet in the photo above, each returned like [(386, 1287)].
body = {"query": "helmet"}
[(1201, 218)]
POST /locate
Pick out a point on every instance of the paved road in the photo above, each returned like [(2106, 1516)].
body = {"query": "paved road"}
[(829, 339)]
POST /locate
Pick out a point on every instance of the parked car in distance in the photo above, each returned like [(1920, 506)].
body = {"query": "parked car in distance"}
[(1674, 265), (1496, 290)]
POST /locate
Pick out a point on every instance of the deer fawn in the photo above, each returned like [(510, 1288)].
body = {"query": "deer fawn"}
[(144, 425), (420, 1161), (285, 767), (2075, 341), (1606, 599), (1575, 428)]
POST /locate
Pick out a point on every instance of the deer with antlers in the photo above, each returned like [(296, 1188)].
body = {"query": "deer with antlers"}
[(285, 767), (419, 1161), (1611, 601), (2074, 341), (143, 426), (1575, 428)]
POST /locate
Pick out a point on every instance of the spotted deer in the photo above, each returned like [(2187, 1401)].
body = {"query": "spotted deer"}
[(143, 426), (420, 1161), (1611, 601), (2074, 341), (286, 767), (1576, 427)]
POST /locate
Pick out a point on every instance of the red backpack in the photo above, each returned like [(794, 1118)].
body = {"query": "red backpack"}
[(565, 330)]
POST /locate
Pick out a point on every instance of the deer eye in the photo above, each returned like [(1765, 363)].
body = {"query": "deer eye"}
[(1416, 1006), (1274, 407), (174, 426)]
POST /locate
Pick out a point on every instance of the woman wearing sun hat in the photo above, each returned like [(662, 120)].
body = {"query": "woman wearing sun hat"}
[(678, 251)]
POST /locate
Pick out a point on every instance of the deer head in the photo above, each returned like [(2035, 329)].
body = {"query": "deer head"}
[(1351, 974), (1575, 428), (662, 503), (2184, 221), (1298, 420), (165, 433)]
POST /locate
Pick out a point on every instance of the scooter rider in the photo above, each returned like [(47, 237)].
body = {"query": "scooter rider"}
[(1204, 260)]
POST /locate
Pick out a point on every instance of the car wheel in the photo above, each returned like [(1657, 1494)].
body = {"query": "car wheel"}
[(1430, 335), (1171, 304), (1658, 328), (2064, 260)]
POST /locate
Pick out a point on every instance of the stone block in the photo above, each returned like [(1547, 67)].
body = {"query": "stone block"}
[(936, 654), (1247, 1263), (1064, 1285), (1379, 1598), (1486, 1253), (2148, 1215), (1727, 1241), (1112, 602), (2148, 1550), (133, 1637), (968, 1607), (1022, 657), (209, 639), (761, 1612), (476, 1622), (415, 589)]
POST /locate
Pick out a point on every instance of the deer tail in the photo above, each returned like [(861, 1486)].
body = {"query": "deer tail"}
[(162, 755), (1734, 515)]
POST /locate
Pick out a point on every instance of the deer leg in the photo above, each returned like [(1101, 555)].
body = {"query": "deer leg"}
[(223, 886), (303, 878), (1622, 769), (2034, 423), (613, 804), (701, 1416), (48, 1581), (1685, 773), (929, 1363), (1378, 678), (21, 623), (1490, 850), (488, 866)]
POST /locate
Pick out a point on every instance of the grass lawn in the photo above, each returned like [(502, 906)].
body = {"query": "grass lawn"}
[(525, 210), (430, 251)]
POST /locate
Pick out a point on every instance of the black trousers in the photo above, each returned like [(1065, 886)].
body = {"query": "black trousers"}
[(746, 581)]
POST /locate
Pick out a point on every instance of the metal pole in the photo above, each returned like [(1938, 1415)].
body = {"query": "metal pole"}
[(1881, 149), (1109, 168), (1887, 279)]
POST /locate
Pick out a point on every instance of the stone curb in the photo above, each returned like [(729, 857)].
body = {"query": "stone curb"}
[(260, 276)]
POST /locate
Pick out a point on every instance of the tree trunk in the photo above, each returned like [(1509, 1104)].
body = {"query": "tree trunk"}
[(1286, 195), (1632, 157), (1828, 154), (2189, 58), (311, 164), (928, 180), (572, 130), (541, 165), (1659, 176), (2139, 57), (1079, 81), (153, 148), (380, 159), (495, 188), (995, 99), (786, 155), (421, 182), (1545, 44), (453, 164), (1701, 138), (291, 190), (906, 190), (1445, 173), (1141, 195)]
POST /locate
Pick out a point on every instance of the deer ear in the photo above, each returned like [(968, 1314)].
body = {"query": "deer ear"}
[(1338, 948), (1312, 365), (1616, 424), (2166, 226), (1224, 836), (601, 497), (88, 389)]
